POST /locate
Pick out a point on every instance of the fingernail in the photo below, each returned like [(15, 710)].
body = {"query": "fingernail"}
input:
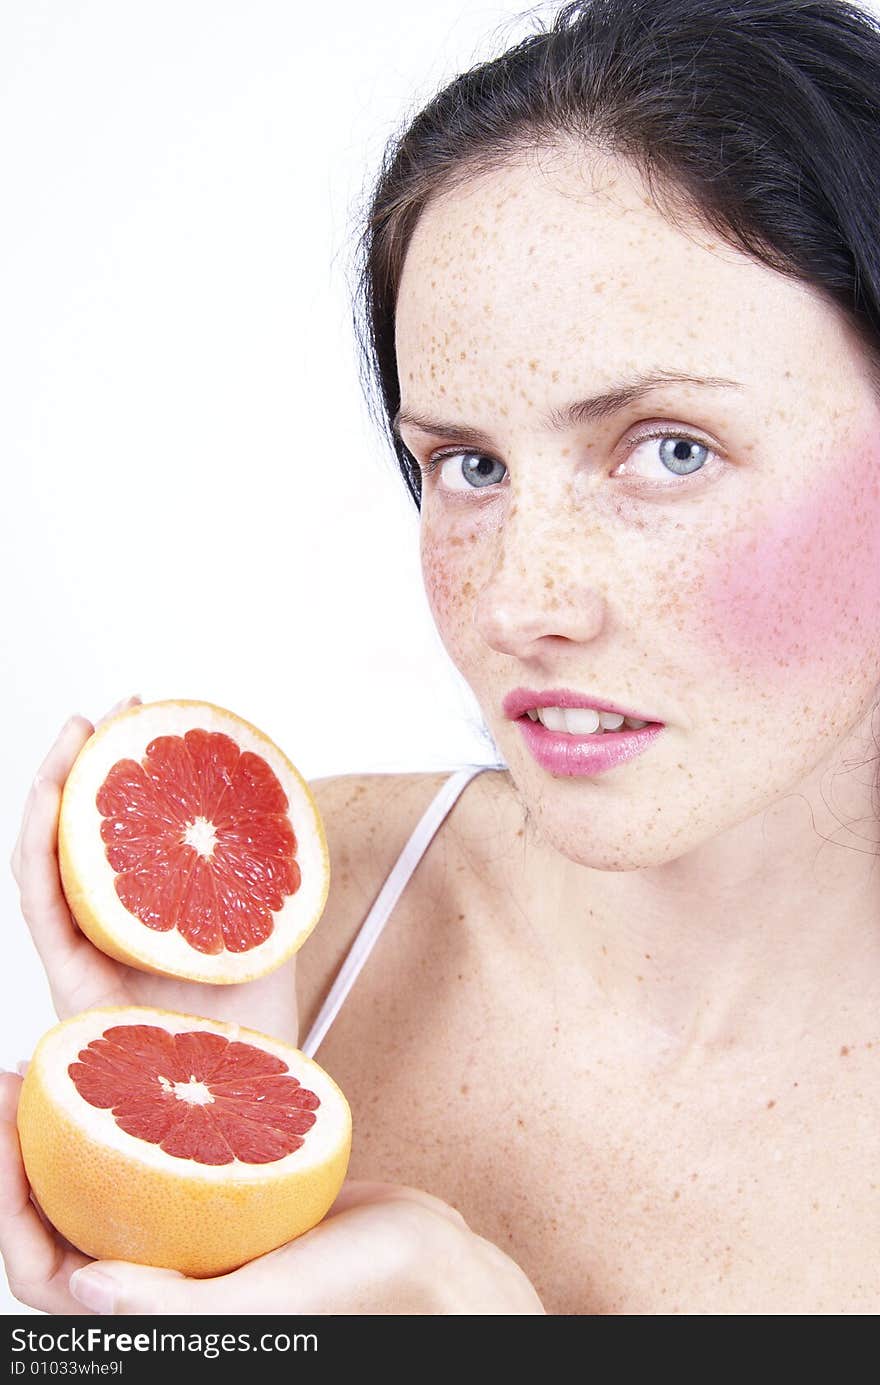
[(21, 1066), (93, 1290)]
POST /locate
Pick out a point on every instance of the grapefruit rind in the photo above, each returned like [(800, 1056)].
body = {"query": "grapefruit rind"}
[(88, 878), (118, 1197)]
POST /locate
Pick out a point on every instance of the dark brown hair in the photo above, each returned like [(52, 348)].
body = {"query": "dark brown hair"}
[(762, 116)]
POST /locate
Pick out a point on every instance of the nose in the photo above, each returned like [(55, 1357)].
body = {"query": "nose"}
[(545, 583)]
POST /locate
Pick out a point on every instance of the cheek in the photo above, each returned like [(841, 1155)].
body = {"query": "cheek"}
[(803, 589), (437, 575), (447, 571)]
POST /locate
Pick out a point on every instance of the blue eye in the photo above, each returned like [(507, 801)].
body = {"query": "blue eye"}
[(678, 454), (477, 470), (677, 457)]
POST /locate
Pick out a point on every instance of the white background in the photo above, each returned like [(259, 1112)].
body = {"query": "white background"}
[(195, 502)]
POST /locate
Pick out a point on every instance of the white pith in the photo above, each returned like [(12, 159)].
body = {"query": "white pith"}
[(582, 721), (127, 737), (200, 835), (196, 1093), (61, 1046)]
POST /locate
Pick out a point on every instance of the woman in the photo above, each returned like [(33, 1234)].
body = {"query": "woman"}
[(617, 1050)]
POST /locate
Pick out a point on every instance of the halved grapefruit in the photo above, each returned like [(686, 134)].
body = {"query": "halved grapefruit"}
[(189, 845), (179, 1141)]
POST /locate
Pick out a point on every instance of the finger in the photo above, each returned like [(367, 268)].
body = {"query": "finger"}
[(340, 1265), (39, 881), (54, 768), (57, 763), (121, 706), (35, 865), (359, 1192), (264, 1285), (121, 1288), (66, 954), (38, 1264)]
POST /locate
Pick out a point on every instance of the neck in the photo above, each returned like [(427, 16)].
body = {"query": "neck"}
[(767, 934)]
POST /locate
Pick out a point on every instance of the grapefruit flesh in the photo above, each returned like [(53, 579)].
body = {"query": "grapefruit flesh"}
[(190, 845), (179, 1141), (196, 1094)]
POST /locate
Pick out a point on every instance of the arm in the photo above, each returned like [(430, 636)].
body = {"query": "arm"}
[(382, 1249)]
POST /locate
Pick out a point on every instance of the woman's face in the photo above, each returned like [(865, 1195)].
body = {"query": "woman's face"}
[(722, 578)]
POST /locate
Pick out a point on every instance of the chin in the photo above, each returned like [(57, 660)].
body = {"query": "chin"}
[(650, 838), (611, 856)]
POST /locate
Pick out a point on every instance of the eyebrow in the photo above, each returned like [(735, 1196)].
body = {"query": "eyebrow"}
[(597, 406)]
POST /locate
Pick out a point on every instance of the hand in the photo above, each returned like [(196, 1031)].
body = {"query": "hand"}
[(80, 975), (382, 1248)]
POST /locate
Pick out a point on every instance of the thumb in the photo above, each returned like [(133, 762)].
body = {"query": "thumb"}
[(121, 1287)]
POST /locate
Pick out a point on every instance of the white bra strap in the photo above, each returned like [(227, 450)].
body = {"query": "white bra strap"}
[(386, 899)]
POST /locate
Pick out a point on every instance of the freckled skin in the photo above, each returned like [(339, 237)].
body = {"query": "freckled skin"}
[(678, 960), (696, 607)]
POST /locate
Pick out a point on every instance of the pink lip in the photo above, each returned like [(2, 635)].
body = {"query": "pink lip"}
[(522, 700), (562, 753)]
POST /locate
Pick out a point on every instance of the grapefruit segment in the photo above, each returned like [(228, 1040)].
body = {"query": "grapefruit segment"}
[(179, 1141), (189, 844), (199, 1096)]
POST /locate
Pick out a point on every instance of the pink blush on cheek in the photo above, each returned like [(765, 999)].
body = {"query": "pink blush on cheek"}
[(803, 586)]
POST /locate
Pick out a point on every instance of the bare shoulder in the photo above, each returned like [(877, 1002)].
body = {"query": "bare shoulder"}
[(367, 819)]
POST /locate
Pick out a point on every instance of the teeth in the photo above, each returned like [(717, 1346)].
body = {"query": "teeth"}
[(611, 721), (582, 721), (554, 718)]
